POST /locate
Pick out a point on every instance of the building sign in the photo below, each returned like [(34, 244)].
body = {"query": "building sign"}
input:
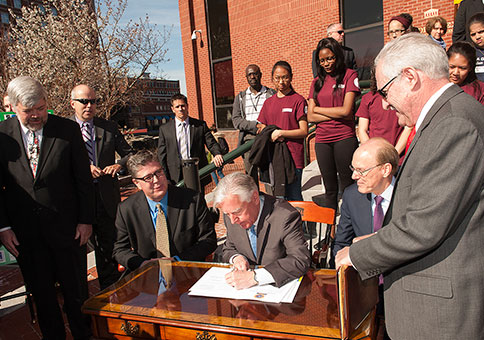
[(431, 13)]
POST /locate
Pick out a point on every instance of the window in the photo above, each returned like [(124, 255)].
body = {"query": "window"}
[(5, 18), (221, 62), (3, 2), (363, 24), (17, 3)]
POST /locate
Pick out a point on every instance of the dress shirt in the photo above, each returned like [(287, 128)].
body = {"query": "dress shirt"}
[(179, 127), (387, 197), (254, 103), (428, 105), (93, 135)]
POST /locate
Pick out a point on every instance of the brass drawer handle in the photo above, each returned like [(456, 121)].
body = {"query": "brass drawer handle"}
[(129, 329), (206, 336)]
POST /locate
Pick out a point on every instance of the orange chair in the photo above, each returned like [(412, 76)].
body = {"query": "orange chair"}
[(311, 212)]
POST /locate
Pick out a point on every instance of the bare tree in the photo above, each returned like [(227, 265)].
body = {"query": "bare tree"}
[(66, 42)]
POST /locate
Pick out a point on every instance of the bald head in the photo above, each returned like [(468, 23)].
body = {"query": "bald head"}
[(83, 101), (375, 163)]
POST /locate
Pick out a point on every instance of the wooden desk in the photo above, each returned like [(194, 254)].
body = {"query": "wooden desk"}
[(132, 309)]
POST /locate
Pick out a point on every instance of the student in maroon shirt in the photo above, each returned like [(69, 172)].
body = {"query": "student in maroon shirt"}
[(331, 106), (287, 110), (462, 65)]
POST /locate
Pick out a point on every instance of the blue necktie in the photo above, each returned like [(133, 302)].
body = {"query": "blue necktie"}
[(253, 240)]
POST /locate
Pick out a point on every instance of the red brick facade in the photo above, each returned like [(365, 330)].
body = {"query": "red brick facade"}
[(263, 32)]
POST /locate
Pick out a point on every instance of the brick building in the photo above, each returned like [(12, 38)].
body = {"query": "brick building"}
[(230, 34)]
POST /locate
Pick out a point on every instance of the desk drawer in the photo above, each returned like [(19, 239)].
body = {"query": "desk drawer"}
[(175, 333), (135, 329)]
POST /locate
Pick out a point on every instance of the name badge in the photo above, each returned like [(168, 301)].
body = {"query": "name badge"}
[(287, 109)]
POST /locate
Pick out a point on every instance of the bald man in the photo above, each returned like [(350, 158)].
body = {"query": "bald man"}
[(102, 139)]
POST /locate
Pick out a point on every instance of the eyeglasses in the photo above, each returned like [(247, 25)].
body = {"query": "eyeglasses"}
[(339, 32), (396, 32), (84, 101), (382, 91), (363, 173), (283, 78), (328, 59), (149, 178)]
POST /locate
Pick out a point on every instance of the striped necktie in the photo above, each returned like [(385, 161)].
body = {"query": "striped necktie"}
[(184, 150), (87, 136)]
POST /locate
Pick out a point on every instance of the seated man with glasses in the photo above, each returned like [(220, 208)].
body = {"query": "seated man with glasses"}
[(365, 202), (161, 220)]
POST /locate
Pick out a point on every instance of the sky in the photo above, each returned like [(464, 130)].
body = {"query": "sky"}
[(163, 12)]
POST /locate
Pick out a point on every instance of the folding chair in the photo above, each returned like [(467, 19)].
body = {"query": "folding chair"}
[(311, 212)]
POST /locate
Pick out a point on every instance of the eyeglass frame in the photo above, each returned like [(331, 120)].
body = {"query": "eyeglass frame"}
[(396, 31), (328, 59), (85, 101), (380, 90), (364, 173), (149, 178)]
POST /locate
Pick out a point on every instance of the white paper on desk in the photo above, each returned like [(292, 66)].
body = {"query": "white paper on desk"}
[(212, 284)]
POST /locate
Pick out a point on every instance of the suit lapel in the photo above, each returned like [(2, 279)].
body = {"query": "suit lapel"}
[(99, 138), (146, 223), (192, 135), (17, 135), (48, 140), (368, 218), (264, 226), (173, 213)]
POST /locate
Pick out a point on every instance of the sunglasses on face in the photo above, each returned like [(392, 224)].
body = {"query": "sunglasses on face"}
[(84, 101)]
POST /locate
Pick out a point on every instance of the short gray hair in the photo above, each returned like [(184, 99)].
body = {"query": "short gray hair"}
[(415, 50), (26, 90), (139, 159), (236, 183), (330, 28)]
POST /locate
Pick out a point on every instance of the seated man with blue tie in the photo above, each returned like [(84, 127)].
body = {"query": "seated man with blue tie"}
[(365, 202), (261, 231), (161, 220)]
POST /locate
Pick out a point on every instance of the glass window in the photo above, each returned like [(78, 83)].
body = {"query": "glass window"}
[(5, 18), (366, 43), (224, 82), (224, 117), (359, 13), (3, 2), (218, 21), (17, 3)]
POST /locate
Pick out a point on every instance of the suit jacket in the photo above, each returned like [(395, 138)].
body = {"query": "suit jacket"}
[(356, 218), (191, 229), (61, 194), (467, 8), (281, 247), (348, 54), (169, 155), (108, 141), (430, 247)]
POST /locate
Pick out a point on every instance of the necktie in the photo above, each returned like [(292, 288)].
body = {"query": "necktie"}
[(34, 150), (184, 150), (253, 240), (378, 214), (162, 239), (410, 139), (87, 136)]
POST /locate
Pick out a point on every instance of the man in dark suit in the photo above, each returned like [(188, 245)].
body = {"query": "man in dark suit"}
[(337, 32), (188, 225), (185, 137), (430, 247), (49, 204), (261, 230), (102, 139), (374, 165)]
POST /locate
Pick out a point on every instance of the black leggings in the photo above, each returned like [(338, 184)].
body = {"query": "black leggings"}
[(333, 159)]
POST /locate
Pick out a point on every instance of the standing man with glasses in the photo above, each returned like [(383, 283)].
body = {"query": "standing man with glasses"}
[(246, 109), (337, 32), (102, 140), (161, 220), (429, 249), (48, 207), (185, 137)]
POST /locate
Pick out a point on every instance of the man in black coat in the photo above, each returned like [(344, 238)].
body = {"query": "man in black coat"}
[(48, 205), (102, 139), (185, 137), (190, 228)]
